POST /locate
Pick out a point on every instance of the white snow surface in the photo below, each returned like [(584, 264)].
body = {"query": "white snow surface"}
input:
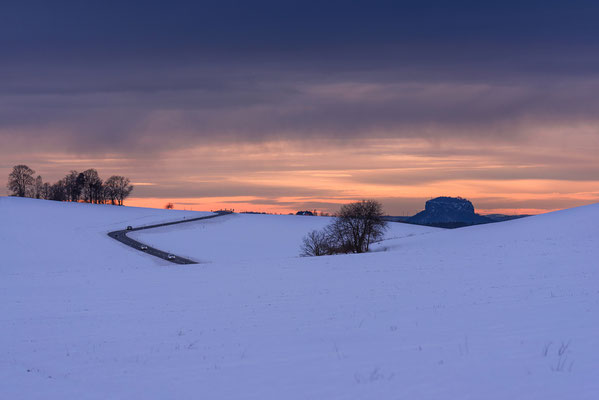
[(505, 310), (244, 237)]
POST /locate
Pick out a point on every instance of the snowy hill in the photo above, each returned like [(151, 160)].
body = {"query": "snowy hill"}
[(242, 237), (44, 234), (505, 310)]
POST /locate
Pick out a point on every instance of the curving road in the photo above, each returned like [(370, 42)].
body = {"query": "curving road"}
[(122, 237)]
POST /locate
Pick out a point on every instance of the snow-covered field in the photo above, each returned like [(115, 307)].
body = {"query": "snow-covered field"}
[(507, 310), (245, 237)]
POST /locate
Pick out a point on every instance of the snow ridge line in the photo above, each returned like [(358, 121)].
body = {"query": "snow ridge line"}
[(122, 237)]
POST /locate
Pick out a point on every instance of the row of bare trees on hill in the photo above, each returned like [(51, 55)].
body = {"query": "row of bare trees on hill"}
[(86, 186)]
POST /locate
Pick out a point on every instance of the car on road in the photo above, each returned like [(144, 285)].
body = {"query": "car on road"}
[(143, 247), (171, 257), (129, 228)]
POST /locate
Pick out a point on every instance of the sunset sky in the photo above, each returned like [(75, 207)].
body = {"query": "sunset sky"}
[(288, 105)]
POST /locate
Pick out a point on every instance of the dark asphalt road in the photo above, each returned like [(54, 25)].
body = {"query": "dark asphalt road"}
[(122, 237)]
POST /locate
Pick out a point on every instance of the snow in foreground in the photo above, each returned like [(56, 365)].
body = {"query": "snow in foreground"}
[(507, 310)]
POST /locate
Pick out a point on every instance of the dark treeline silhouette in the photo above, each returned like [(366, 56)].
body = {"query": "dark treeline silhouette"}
[(86, 186)]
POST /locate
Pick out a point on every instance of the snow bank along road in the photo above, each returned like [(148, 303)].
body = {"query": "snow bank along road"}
[(122, 237)]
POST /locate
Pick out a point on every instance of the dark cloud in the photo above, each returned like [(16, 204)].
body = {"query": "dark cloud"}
[(139, 80), (275, 26), (141, 77), (255, 107)]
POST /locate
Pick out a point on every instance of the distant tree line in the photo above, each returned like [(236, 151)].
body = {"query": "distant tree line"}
[(355, 227), (86, 186)]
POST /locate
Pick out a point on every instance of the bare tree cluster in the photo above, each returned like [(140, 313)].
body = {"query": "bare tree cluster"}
[(355, 227), (21, 181), (86, 186)]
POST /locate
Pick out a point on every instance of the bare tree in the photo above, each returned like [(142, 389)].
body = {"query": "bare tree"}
[(169, 206), (21, 181), (92, 189), (46, 191), (316, 243), (58, 191), (358, 224), (73, 185), (38, 187), (125, 189), (355, 227), (117, 189), (110, 191)]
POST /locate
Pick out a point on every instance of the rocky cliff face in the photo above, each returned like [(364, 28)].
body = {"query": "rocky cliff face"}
[(448, 211)]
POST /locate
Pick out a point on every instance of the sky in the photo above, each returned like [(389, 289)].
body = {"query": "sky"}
[(289, 105)]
